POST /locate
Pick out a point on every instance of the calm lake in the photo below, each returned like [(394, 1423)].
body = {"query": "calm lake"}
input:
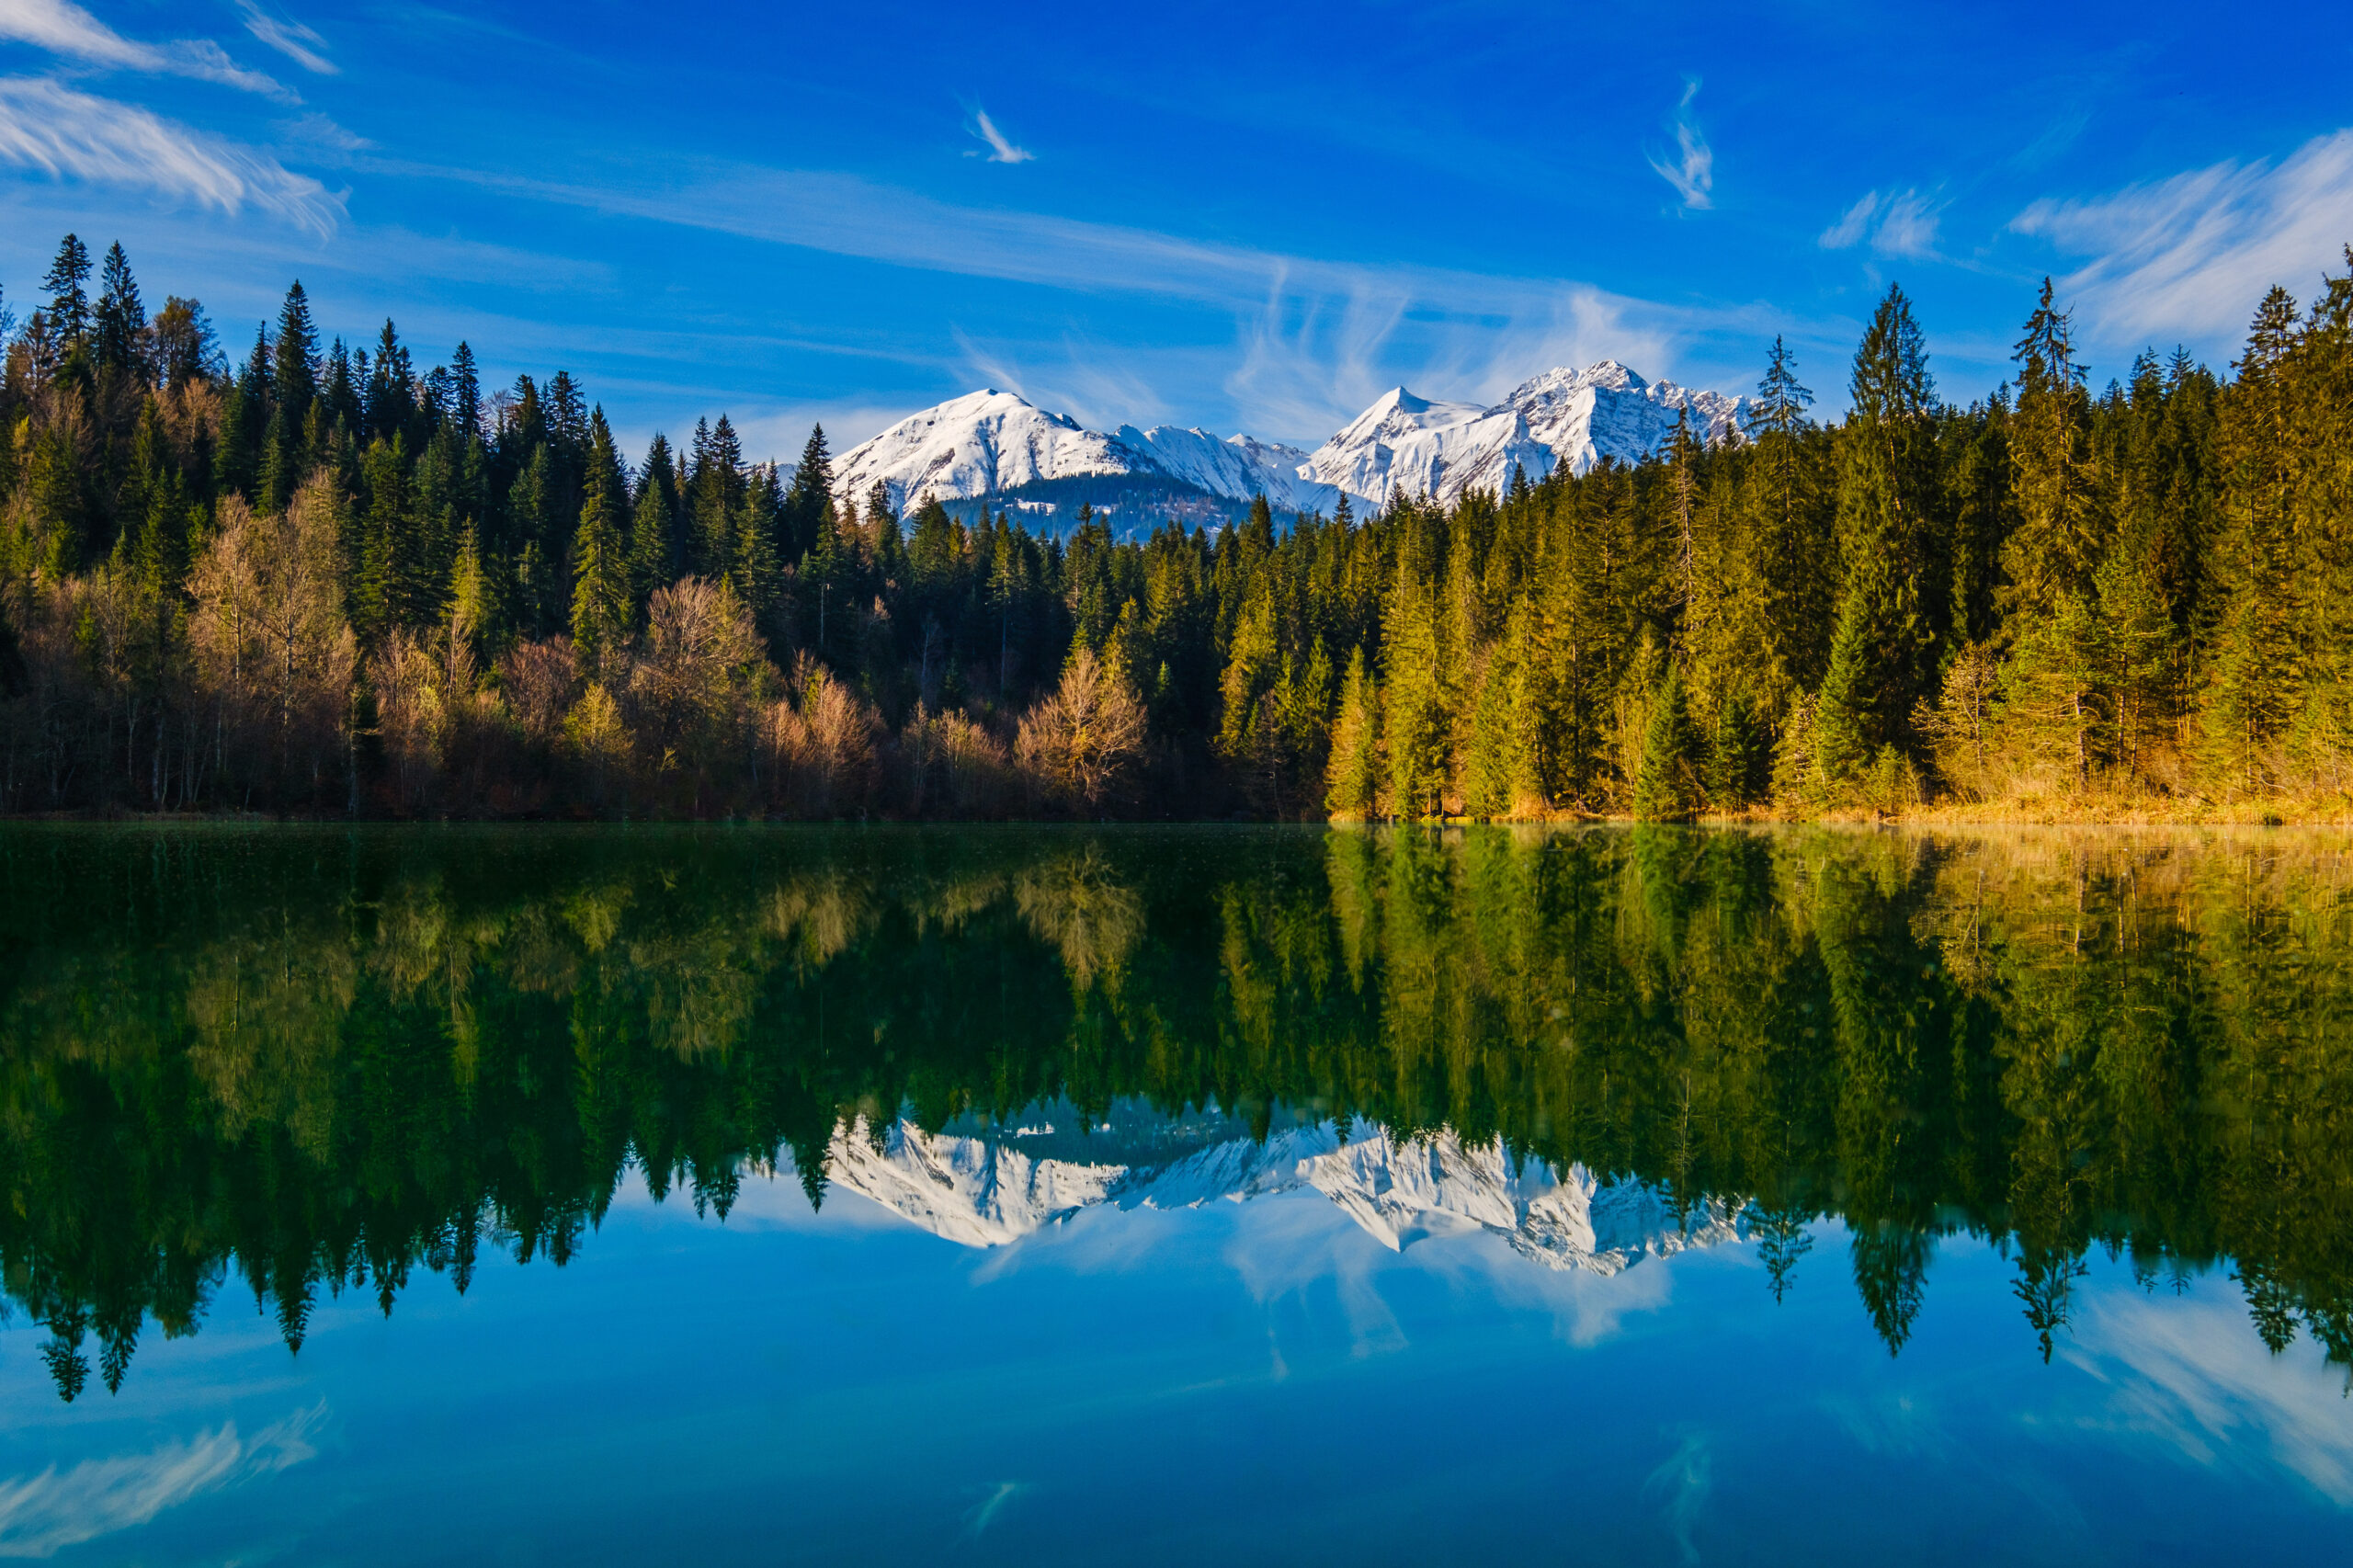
[(1171, 1196)]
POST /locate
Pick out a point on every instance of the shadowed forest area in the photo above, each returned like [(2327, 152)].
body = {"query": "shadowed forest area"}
[(302, 1060), (325, 580)]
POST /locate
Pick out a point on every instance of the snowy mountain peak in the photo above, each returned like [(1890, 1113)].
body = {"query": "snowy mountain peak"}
[(989, 1190), (1405, 445), (996, 447)]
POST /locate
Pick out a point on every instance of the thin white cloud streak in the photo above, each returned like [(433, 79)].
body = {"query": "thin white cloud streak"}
[(1317, 339), (1681, 1486), (1693, 174), (1897, 223), (41, 1515), (68, 134), (1852, 224), (291, 38), (2190, 257), (1097, 386), (2194, 1374), (65, 28), (1001, 151)]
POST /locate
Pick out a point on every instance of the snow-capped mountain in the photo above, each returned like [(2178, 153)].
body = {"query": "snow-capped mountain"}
[(988, 1190), (1407, 445), (999, 449)]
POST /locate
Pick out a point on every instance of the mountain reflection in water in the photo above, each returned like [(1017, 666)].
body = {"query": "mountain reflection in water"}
[(321, 1059)]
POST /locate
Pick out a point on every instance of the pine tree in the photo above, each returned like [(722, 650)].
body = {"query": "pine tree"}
[(2254, 664), (601, 609), (1733, 755), (294, 379), (714, 499), (2056, 543), (1353, 780), (474, 620), (649, 546), (340, 391), (1665, 790), (1882, 651), (1415, 719), (530, 519), (374, 606), (69, 299), (392, 388), (465, 392), (810, 493), (122, 324), (1487, 770), (758, 576)]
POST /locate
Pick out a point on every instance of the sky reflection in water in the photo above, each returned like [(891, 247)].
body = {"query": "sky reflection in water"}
[(1259, 1381)]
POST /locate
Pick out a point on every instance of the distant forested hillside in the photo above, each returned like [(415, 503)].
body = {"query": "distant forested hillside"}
[(323, 580)]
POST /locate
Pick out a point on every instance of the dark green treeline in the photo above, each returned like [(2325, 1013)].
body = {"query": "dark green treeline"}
[(311, 1060), (325, 579)]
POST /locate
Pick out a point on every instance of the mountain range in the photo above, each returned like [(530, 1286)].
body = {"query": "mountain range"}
[(989, 1187), (993, 448)]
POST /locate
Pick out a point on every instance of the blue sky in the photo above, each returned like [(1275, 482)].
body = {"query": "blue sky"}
[(1246, 217)]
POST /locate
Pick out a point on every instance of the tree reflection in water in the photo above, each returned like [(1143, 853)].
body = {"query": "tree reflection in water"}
[(321, 1059)]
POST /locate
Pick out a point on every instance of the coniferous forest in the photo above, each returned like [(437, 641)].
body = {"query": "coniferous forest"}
[(317, 578)]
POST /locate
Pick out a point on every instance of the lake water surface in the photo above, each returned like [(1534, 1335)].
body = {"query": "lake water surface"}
[(1171, 1196)]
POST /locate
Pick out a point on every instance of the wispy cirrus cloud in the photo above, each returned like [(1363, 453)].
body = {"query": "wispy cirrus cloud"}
[(291, 38), (2188, 256), (71, 135), (1317, 339), (41, 1515), (2194, 1374), (1692, 172), (64, 28), (1001, 150), (1895, 223)]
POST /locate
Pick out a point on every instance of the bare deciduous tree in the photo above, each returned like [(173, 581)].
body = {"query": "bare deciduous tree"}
[(1083, 743)]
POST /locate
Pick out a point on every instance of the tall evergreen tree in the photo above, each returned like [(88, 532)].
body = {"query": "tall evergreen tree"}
[(1353, 780), (465, 392), (294, 379), (1882, 651), (810, 493), (601, 607), (2055, 546), (121, 320), (69, 299)]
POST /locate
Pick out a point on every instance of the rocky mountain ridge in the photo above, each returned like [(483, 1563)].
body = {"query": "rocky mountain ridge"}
[(996, 449), (990, 1189)]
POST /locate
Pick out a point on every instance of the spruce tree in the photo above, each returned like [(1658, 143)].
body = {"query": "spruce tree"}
[(649, 546), (601, 609), (391, 388), (1487, 770), (465, 392), (1415, 719), (1881, 653), (1731, 755), (295, 379), (1664, 789), (758, 575), (374, 605), (69, 297), (121, 322), (531, 520), (1794, 547), (2056, 542), (2255, 664), (1353, 779), (810, 493)]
